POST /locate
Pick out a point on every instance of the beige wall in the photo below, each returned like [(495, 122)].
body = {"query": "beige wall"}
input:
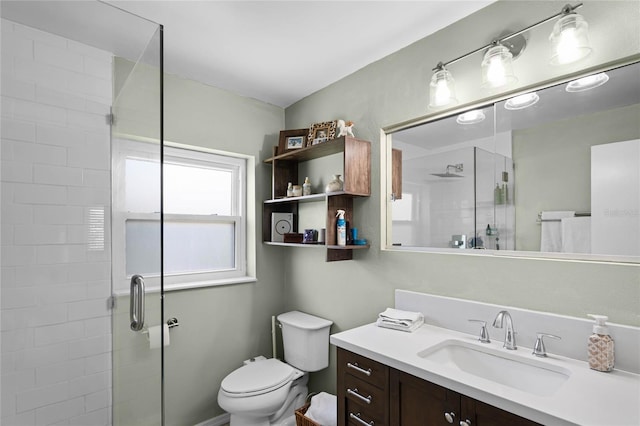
[(395, 89)]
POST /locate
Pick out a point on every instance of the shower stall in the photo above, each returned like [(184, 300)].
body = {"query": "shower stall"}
[(459, 198), (76, 78)]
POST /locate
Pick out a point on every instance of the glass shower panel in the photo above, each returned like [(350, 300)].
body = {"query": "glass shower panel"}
[(57, 91), (136, 156)]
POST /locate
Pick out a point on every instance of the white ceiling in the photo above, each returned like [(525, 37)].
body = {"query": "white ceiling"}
[(282, 51)]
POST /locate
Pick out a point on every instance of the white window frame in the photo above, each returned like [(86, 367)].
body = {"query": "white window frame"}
[(243, 219)]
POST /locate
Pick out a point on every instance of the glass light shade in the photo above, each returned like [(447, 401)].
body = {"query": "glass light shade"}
[(522, 101), (570, 39), (497, 67), (587, 83), (471, 117), (442, 89)]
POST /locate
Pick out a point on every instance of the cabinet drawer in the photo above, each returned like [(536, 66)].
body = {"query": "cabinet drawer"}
[(365, 394), (363, 368), (358, 415)]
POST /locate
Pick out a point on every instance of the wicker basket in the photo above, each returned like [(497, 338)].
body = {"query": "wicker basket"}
[(301, 419)]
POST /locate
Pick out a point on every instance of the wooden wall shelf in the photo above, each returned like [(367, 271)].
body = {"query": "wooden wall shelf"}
[(357, 183)]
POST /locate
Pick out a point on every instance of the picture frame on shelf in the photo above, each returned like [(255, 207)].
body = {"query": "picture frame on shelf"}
[(291, 140), (321, 132)]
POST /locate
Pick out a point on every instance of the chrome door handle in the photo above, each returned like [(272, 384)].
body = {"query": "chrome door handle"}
[(136, 303), (354, 392), (357, 418), (356, 367)]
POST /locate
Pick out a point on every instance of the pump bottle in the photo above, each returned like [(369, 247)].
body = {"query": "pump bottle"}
[(341, 229), (600, 347)]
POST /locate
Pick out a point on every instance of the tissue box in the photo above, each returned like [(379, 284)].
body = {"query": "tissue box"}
[(301, 419)]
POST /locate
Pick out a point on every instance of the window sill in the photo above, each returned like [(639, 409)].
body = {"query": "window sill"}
[(194, 284)]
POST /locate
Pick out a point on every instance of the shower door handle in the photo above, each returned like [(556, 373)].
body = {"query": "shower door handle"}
[(136, 303)]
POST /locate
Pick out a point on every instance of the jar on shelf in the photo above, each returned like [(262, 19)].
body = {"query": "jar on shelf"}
[(334, 185)]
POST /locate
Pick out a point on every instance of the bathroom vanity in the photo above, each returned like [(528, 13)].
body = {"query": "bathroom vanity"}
[(440, 375), (369, 391)]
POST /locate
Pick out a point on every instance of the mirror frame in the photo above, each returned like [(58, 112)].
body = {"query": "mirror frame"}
[(386, 172)]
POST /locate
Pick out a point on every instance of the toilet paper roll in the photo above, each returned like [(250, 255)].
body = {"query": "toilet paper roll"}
[(154, 336)]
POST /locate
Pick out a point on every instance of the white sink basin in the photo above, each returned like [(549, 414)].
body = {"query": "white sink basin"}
[(500, 366)]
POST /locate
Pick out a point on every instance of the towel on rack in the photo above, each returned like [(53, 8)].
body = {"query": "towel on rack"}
[(576, 234), (551, 233), (400, 320)]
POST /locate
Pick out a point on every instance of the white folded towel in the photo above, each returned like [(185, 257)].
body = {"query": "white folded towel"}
[(323, 409), (400, 320)]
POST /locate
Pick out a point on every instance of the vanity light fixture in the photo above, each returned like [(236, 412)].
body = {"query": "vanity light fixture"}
[(471, 117), (497, 67), (570, 38), (570, 42), (587, 83), (522, 101), (442, 89)]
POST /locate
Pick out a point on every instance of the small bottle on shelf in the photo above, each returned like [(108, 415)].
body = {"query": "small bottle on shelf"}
[(289, 189), (306, 187)]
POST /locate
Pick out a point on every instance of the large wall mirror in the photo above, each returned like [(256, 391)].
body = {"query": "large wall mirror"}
[(554, 172)]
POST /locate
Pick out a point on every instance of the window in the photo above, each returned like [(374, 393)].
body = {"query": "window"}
[(205, 216)]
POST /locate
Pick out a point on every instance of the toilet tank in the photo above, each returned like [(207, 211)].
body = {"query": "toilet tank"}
[(306, 340)]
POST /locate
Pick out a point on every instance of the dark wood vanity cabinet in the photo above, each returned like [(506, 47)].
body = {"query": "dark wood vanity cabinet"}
[(363, 390), (369, 391)]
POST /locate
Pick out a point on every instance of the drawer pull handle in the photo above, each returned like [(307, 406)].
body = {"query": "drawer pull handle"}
[(355, 393), (357, 418), (356, 367)]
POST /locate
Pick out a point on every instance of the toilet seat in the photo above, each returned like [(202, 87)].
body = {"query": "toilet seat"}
[(258, 378)]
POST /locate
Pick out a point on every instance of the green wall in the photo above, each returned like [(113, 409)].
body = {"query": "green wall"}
[(552, 175), (219, 326), (395, 89)]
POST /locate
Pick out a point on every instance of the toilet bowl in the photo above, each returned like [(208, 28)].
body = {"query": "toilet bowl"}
[(267, 392), (255, 393)]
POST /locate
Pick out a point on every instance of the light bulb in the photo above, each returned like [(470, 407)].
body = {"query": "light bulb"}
[(495, 73), (443, 93)]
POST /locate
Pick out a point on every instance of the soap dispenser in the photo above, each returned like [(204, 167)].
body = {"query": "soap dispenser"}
[(600, 345)]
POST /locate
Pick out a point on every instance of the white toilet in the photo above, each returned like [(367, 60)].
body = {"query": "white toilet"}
[(267, 392)]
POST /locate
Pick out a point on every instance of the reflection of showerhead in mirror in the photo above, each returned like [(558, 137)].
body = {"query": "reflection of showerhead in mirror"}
[(447, 174)]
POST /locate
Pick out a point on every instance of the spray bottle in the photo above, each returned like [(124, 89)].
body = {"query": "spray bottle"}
[(341, 229)]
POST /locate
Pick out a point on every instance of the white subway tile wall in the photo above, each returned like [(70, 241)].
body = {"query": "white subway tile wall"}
[(55, 171)]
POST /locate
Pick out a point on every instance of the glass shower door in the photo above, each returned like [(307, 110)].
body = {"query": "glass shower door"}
[(137, 154)]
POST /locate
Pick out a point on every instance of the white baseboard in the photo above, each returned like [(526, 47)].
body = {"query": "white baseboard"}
[(220, 420)]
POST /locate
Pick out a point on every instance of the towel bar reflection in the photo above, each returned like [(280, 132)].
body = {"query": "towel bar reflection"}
[(576, 214)]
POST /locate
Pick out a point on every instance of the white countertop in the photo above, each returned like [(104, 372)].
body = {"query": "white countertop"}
[(588, 397)]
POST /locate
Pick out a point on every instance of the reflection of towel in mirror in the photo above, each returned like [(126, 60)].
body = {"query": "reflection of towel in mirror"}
[(400, 320), (576, 234), (551, 233), (323, 409)]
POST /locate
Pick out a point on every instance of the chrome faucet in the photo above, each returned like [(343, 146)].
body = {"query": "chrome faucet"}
[(509, 332)]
